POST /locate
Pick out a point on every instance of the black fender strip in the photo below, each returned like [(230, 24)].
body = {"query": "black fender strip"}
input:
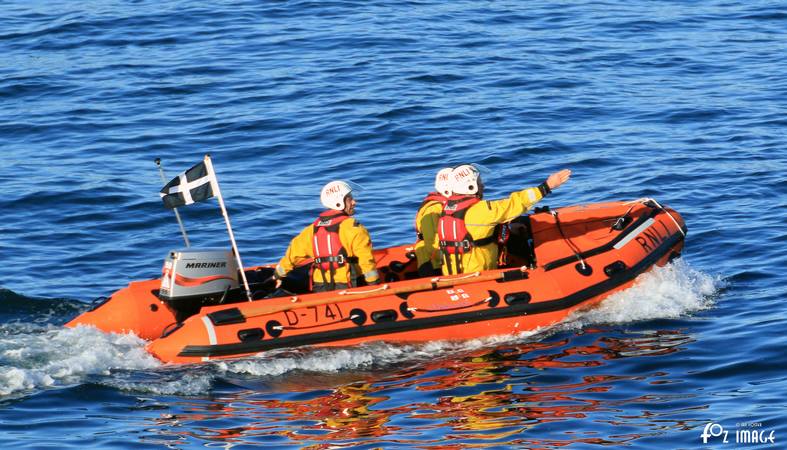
[(398, 326)]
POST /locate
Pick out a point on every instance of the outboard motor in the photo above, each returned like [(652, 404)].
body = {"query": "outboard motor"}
[(192, 278)]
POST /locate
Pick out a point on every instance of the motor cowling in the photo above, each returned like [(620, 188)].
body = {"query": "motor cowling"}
[(198, 273)]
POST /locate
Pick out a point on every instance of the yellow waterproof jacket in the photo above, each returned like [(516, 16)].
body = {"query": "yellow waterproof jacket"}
[(481, 220), (428, 246), (356, 241)]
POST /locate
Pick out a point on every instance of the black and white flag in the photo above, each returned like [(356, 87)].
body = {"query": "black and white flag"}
[(193, 185)]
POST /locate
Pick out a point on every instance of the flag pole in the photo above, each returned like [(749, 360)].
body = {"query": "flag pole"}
[(177, 215), (217, 192)]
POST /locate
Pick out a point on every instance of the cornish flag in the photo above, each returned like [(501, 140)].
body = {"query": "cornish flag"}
[(193, 185)]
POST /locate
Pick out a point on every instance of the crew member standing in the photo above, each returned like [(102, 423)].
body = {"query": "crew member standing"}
[(466, 228), (427, 248), (340, 245)]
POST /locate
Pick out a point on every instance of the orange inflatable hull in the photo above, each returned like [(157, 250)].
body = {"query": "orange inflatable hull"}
[(579, 255)]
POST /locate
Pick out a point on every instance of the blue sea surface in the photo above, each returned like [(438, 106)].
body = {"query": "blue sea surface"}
[(682, 101)]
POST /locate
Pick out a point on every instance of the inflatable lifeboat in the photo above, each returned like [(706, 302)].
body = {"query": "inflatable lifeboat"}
[(553, 263)]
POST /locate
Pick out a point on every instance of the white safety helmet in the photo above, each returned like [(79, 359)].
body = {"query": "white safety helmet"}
[(465, 179), (442, 182), (333, 193)]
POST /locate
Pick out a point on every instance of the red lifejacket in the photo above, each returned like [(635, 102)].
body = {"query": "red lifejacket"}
[(451, 228), (329, 253), (430, 197), (454, 238)]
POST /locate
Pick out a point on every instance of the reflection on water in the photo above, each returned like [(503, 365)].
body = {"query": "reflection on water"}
[(551, 391)]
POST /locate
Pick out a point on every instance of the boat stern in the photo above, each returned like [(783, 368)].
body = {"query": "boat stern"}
[(133, 309)]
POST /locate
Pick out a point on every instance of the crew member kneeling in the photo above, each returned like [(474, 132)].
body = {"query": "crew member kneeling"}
[(467, 225), (340, 245)]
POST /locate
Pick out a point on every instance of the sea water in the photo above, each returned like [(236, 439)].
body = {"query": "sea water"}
[(679, 101)]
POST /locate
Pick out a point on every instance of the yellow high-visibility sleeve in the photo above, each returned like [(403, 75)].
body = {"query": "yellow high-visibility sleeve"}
[(428, 248), (481, 220), (299, 250), (357, 241)]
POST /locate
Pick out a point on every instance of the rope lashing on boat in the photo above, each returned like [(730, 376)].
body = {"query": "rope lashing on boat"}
[(471, 305), (381, 288), (571, 245), (670, 216), (470, 275), (658, 205)]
